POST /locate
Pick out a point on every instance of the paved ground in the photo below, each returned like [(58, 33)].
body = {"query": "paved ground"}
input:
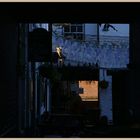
[(72, 128)]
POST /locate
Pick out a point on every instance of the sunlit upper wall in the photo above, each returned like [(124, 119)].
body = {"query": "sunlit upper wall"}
[(90, 29), (122, 30)]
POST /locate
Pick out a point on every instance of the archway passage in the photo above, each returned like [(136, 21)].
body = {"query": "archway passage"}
[(64, 94), (74, 107), (90, 99)]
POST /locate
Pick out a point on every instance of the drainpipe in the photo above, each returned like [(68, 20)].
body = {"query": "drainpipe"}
[(98, 34), (48, 95), (33, 98), (48, 80)]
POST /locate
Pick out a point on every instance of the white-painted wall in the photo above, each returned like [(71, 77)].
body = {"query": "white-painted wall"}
[(105, 97), (91, 29), (123, 30)]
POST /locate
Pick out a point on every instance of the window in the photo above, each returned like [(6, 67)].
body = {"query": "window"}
[(74, 31)]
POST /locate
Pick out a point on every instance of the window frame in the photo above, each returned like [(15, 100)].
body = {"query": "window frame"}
[(70, 33)]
